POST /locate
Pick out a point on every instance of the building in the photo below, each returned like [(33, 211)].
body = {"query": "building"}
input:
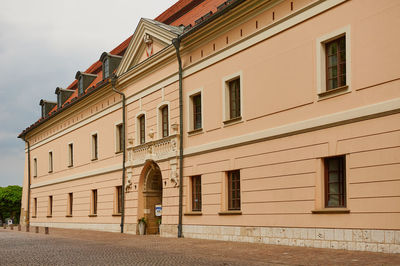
[(284, 115)]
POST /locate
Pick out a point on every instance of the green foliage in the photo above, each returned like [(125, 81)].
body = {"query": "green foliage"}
[(10, 202)]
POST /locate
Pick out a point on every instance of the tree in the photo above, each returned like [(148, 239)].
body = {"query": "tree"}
[(10, 202)]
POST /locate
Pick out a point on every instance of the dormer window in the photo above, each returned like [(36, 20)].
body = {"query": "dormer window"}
[(84, 80), (110, 63), (46, 107), (62, 96)]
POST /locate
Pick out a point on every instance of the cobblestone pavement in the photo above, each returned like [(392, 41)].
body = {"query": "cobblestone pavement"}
[(82, 247)]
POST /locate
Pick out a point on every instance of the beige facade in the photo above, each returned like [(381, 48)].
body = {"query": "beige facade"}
[(280, 142)]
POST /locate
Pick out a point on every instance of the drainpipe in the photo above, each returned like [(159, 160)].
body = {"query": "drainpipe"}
[(29, 181), (113, 82), (177, 43)]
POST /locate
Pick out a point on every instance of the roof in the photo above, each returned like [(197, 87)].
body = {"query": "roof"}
[(183, 12)]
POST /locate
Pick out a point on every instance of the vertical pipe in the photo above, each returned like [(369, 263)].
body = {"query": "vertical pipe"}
[(29, 182), (177, 42), (113, 82)]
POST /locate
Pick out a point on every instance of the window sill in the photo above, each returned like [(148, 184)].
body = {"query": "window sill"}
[(331, 211), (333, 92), (34, 216), (94, 159), (233, 121), (118, 152), (70, 166), (195, 132), (92, 215), (50, 171), (193, 213), (68, 215), (49, 216), (230, 213), (116, 214)]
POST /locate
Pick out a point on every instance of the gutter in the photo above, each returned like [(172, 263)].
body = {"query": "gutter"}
[(177, 42), (113, 82)]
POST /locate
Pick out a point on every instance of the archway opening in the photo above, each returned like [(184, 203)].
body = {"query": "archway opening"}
[(152, 196)]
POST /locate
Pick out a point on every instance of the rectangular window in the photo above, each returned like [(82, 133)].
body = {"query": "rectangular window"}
[(50, 161), (335, 52), (50, 207), (234, 98), (94, 147), (35, 207), (196, 193), (164, 122), (70, 155), (93, 209), (142, 128), (335, 181), (234, 190), (120, 143), (196, 100), (119, 199), (34, 167), (70, 204)]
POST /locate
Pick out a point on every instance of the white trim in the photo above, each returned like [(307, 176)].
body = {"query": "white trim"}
[(100, 171), (189, 120), (137, 139), (348, 116), (320, 55), (275, 28), (225, 94), (159, 118)]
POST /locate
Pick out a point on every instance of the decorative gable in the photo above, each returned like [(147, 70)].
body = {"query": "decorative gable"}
[(150, 37)]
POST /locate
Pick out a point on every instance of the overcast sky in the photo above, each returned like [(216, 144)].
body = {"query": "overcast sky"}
[(43, 43)]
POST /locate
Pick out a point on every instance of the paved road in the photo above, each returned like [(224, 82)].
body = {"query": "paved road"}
[(81, 247)]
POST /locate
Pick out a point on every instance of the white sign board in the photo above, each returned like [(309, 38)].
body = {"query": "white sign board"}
[(158, 210)]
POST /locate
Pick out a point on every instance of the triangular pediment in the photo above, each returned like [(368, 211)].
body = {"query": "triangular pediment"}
[(150, 37)]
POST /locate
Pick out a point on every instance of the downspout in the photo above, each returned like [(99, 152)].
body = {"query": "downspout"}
[(113, 82), (29, 182), (177, 43)]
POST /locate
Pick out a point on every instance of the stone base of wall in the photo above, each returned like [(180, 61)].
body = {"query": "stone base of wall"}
[(84, 226), (169, 230), (387, 241)]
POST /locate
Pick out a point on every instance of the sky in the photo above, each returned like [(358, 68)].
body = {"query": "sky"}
[(43, 43)]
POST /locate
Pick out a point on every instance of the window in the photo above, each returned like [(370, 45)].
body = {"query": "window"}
[(50, 161), (234, 98), (50, 207), (119, 199), (164, 121), (94, 147), (34, 207), (234, 190), (196, 111), (196, 193), (93, 209), (335, 181), (335, 63), (119, 138), (34, 167), (106, 68), (70, 204), (70, 155), (142, 129), (80, 85)]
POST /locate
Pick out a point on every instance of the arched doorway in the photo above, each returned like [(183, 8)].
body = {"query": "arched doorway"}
[(152, 195)]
